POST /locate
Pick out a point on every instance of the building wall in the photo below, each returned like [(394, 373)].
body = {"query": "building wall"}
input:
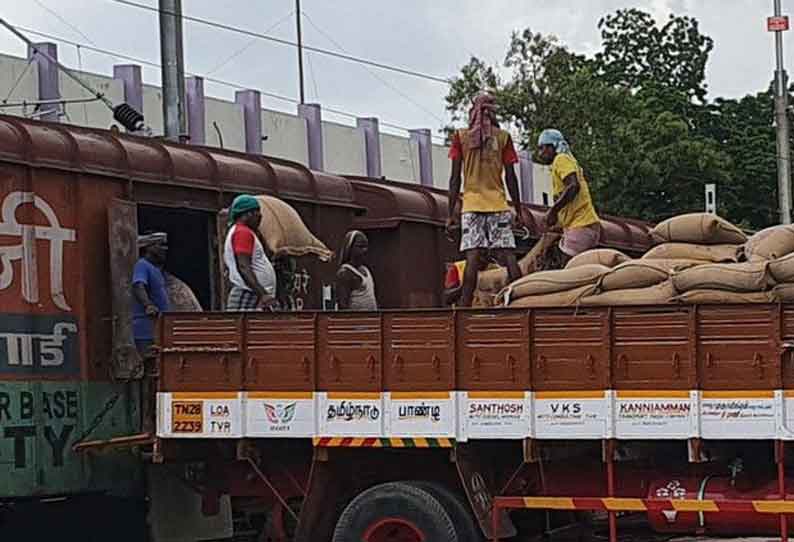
[(13, 71), (441, 166), (230, 121), (399, 158), (286, 134), (343, 149)]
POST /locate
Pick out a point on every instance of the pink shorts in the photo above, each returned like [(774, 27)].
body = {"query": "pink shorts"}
[(577, 240)]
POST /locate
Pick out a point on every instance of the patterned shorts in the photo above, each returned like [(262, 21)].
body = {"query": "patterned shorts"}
[(487, 230), (241, 299)]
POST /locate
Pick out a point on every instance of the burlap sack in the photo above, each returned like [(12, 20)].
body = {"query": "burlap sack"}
[(559, 299), (495, 280), (686, 251), (782, 269), (721, 296), (733, 277), (284, 232), (600, 256), (701, 228), (652, 295), (549, 282), (640, 274), (783, 293), (180, 297), (770, 243)]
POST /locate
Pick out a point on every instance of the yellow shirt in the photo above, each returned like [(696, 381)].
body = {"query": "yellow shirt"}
[(483, 187), (580, 212)]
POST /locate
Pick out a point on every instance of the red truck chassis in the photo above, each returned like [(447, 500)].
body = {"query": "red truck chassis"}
[(681, 413)]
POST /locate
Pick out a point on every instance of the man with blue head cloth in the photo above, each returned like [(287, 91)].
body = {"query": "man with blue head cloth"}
[(573, 208)]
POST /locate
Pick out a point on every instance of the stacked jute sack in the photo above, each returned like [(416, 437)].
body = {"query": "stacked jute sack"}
[(699, 258)]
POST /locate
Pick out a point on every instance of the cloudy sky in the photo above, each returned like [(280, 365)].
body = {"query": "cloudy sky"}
[(431, 36)]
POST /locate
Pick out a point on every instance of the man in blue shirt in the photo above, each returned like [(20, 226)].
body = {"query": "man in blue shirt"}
[(148, 289)]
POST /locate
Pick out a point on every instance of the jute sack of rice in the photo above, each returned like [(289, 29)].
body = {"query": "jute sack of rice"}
[(180, 297), (782, 269), (652, 295), (783, 293), (722, 296), (600, 256), (550, 282), (701, 228), (688, 251), (558, 299), (640, 274), (734, 277), (494, 280), (285, 233), (770, 243)]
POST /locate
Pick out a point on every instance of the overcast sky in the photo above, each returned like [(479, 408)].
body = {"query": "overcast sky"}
[(431, 36)]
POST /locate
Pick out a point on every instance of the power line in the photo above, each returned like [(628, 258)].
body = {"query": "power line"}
[(221, 82), (64, 21), (372, 73), (350, 58), (244, 48)]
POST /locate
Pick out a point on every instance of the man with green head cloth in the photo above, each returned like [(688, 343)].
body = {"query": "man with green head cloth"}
[(250, 271)]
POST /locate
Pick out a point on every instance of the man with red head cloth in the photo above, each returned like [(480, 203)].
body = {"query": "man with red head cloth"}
[(483, 152)]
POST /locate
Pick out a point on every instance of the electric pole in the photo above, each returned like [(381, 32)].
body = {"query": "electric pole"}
[(779, 24), (300, 50), (173, 70)]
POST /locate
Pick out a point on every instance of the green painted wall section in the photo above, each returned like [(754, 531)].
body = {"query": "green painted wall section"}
[(40, 422)]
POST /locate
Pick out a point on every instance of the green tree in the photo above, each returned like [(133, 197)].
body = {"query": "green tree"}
[(638, 53), (635, 116)]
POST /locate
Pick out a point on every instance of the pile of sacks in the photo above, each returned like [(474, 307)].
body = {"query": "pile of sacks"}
[(698, 258)]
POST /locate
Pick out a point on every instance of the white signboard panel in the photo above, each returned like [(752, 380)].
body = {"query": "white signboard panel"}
[(572, 415), (420, 414), (655, 414), (280, 414), (737, 414), (350, 414), (495, 414)]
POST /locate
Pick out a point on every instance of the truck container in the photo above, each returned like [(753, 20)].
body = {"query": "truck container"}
[(72, 201)]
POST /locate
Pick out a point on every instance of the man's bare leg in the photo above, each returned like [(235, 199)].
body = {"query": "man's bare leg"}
[(507, 258), (474, 260)]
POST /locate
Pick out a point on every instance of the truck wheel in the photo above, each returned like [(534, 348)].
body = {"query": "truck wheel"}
[(395, 512), (466, 526)]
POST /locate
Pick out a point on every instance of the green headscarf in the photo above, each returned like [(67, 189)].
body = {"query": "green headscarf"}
[(241, 205)]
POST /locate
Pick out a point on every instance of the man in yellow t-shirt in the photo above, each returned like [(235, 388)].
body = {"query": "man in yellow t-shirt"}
[(573, 208), (483, 152)]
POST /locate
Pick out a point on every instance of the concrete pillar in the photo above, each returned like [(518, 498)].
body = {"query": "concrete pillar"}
[(49, 87), (369, 125), (194, 99), (130, 76), (424, 141), (314, 133), (526, 180), (251, 100)]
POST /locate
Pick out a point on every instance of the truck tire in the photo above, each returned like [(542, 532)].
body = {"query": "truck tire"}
[(457, 508), (395, 512)]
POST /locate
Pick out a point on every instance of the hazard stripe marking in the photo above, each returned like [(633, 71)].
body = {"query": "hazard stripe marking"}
[(642, 505), (691, 505), (774, 507), (375, 442), (549, 503)]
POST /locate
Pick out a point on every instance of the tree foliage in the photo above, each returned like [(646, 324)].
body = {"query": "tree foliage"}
[(638, 118)]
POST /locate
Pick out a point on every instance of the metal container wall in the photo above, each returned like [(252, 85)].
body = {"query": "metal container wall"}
[(57, 183)]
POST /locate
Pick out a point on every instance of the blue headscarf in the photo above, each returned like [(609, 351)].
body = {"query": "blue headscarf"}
[(556, 139)]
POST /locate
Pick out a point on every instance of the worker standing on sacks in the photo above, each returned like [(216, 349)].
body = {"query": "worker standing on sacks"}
[(573, 208), (483, 152)]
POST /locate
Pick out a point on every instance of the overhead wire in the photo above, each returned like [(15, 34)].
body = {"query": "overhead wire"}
[(371, 72), (58, 16), (250, 43), (230, 28), (236, 86)]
